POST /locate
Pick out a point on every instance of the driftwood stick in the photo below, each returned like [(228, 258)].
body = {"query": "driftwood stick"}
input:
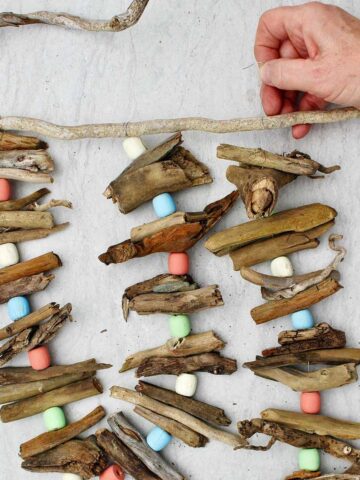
[(177, 347), (201, 410), (48, 440), (303, 474), (133, 439), (13, 375), (176, 429), (50, 204), (18, 236), (20, 203), (25, 286), (44, 263), (176, 414), (55, 398), (206, 362), (139, 233), (30, 160), (25, 176), (10, 141), (151, 127), (26, 220)]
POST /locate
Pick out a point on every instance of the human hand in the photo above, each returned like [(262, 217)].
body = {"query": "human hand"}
[(312, 48)]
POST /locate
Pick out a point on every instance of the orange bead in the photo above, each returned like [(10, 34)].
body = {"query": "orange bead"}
[(5, 189), (114, 472), (178, 263), (39, 358), (310, 402)]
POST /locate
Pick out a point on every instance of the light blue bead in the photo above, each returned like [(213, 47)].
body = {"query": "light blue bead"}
[(18, 307), (302, 320), (157, 439), (164, 205)]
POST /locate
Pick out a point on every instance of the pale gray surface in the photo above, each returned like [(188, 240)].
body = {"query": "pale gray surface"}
[(183, 58)]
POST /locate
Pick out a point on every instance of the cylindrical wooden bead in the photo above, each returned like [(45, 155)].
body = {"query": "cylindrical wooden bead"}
[(157, 439), (186, 384), (18, 307), (281, 267), (180, 326), (114, 472), (5, 190), (309, 459), (133, 147), (54, 418), (302, 320), (71, 476), (310, 402), (178, 263), (164, 205), (9, 255), (39, 358)]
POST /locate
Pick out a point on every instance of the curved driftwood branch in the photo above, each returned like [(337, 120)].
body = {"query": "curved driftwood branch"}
[(115, 24), (151, 127)]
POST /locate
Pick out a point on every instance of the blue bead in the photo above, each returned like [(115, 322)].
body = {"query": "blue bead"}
[(157, 439), (18, 307), (164, 205), (302, 320)]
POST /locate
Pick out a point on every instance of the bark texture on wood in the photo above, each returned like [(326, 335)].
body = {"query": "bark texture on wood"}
[(10, 141), (303, 474), (25, 286), (18, 236), (26, 220), (30, 160)]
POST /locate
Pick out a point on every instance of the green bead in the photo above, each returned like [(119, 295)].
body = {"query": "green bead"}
[(180, 326), (54, 418), (309, 459)]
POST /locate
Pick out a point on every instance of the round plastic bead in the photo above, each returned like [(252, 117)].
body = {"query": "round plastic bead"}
[(9, 255), (5, 190), (157, 439), (186, 384), (281, 267), (178, 263), (309, 459), (54, 418), (39, 358), (133, 147), (310, 402), (302, 320), (164, 205), (71, 476), (180, 326), (114, 472), (18, 307)]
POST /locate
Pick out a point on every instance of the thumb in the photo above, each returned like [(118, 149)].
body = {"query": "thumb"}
[(289, 74)]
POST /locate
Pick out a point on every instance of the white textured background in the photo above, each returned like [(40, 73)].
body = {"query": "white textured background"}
[(186, 57)]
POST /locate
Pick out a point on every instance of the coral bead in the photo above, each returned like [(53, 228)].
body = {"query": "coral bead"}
[(309, 459), (310, 402), (54, 418), (9, 255), (180, 326), (186, 384), (164, 205), (114, 472), (157, 439), (281, 267), (178, 263), (71, 476), (18, 307), (5, 190), (133, 147), (302, 320), (39, 358)]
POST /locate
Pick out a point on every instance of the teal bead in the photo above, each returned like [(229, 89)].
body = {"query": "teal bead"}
[(54, 418), (157, 439), (164, 205), (180, 326), (302, 320), (18, 307), (309, 459)]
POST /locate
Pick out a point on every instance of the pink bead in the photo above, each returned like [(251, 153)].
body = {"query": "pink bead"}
[(5, 189), (39, 358), (114, 472), (178, 263), (310, 402)]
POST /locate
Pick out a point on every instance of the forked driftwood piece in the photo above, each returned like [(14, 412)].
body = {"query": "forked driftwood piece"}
[(176, 238), (177, 347), (208, 413), (10, 141), (296, 220), (174, 428), (166, 168), (80, 457), (115, 24), (176, 414), (48, 440), (25, 286), (17, 236), (133, 439), (22, 203), (29, 160)]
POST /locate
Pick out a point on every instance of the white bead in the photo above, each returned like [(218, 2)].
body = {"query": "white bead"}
[(9, 255), (133, 147), (71, 476), (281, 267), (186, 384)]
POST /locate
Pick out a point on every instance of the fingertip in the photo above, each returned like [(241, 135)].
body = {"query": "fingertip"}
[(271, 99), (300, 131)]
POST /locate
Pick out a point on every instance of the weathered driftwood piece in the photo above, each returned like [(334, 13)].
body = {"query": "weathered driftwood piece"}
[(166, 168), (319, 424), (298, 220), (26, 176), (30, 160), (286, 337), (34, 336), (176, 429), (297, 163), (151, 127), (11, 375), (133, 439), (285, 306), (321, 336), (177, 347), (17, 236), (303, 474), (284, 244), (177, 238), (55, 398), (176, 414), (41, 264), (10, 141), (119, 453), (25, 286), (26, 220), (139, 233), (21, 203), (205, 362), (48, 440), (319, 380), (81, 457), (208, 413)]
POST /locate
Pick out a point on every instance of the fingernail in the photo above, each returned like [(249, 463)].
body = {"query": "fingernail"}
[(265, 73)]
